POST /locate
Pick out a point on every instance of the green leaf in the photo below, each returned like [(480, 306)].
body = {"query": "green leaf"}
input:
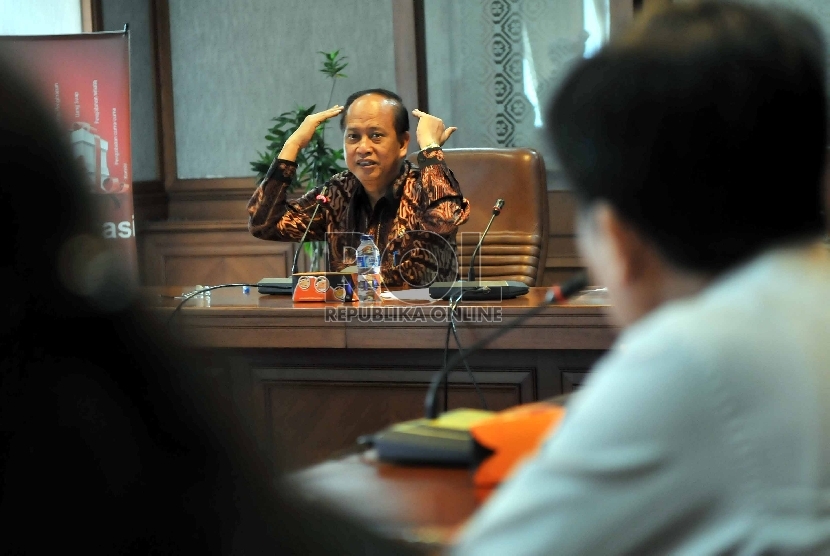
[(318, 161)]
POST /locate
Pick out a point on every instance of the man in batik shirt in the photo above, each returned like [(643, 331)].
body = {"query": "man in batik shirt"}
[(412, 212)]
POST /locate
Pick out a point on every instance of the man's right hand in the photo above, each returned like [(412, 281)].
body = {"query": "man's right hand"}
[(303, 134)]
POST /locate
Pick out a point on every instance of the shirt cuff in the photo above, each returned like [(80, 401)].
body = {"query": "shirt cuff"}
[(430, 156), (285, 171)]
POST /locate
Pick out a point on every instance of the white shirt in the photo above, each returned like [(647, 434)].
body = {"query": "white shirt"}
[(705, 430)]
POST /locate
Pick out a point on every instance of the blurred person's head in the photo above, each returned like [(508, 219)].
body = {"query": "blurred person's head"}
[(375, 127), (693, 143)]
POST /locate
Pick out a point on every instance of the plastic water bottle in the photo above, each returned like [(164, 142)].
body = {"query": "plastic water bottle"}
[(368, 267)]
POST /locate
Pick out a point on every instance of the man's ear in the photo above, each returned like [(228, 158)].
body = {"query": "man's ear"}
[(624, 244), (404, 139)]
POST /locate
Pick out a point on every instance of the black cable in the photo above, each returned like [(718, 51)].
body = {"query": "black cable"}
[(453, 304), (446, 355), (472, 376), (451, 307), (554, 295)]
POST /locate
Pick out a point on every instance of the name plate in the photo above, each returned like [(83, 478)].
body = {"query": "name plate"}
[(328, 287)]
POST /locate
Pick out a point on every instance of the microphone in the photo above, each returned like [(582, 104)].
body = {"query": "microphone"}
[(287, 285), (496, 211), (321, 200), (481, 290), (555, 294)]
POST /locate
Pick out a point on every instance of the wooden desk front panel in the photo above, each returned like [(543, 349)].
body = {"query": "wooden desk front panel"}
[(311, 387), (316, 403)]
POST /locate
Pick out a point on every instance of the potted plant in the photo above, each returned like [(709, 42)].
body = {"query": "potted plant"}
[(318, 161)]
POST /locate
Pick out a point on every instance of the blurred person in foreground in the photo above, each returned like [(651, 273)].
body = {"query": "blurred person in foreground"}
[(695, 145), (111, 439)]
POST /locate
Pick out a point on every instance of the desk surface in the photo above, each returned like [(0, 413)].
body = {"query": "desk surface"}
[(230, 318), (416, 503)]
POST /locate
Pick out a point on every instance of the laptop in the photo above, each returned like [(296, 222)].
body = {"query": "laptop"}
[(479, 290), (277, 286)]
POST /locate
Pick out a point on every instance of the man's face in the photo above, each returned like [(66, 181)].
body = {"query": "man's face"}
[(372, 149)]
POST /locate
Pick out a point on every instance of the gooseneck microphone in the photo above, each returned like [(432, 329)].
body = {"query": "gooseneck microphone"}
[(321, 200), (496, 211), (554, 294)]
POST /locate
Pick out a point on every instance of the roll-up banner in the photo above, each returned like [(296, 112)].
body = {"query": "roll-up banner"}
[(86, 78)]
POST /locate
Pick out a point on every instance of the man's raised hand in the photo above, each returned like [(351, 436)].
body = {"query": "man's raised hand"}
[(431, 129), (303, 134)]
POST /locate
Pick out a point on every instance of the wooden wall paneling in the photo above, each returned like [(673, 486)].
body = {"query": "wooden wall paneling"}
[(563, 259), (150, 197), (211, 198), (560, 371), (164, 70), (91, 20), (209, 253), (410, 56), (572, 380)]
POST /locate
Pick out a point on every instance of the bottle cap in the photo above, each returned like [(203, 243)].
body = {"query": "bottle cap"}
[(364, 237)]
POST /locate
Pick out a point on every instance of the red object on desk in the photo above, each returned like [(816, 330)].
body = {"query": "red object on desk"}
[(512, 435), (330, 287)]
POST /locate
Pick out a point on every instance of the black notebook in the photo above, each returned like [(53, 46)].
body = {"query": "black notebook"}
[(444, 441)]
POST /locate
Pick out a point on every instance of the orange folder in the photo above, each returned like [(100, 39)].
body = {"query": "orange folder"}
[(510, 436)]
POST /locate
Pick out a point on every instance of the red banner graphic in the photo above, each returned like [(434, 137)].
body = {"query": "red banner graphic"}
[(86, 78)]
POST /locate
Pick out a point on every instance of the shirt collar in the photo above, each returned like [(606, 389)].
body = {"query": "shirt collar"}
[(393, 193)]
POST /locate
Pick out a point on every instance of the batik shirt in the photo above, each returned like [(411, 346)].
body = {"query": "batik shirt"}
[(414, 225)]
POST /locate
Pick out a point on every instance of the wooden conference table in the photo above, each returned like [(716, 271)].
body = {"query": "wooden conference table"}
[(313, 377), (418, 504)]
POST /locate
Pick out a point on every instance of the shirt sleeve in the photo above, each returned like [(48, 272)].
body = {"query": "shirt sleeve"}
[(435, 207), (272, 216), (443, 207), (622, 474)]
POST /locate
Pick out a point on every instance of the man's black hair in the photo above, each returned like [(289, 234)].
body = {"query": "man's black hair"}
[(401, 113), (704, 127)]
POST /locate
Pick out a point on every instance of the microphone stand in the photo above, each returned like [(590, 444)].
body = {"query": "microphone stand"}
[(321, 200), (554, 294), (455, 302)]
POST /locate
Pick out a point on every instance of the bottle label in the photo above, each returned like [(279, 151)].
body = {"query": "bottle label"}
[(366, 260)]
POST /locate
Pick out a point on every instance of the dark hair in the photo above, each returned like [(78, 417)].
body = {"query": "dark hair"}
[(704, 127), (401, 113)]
